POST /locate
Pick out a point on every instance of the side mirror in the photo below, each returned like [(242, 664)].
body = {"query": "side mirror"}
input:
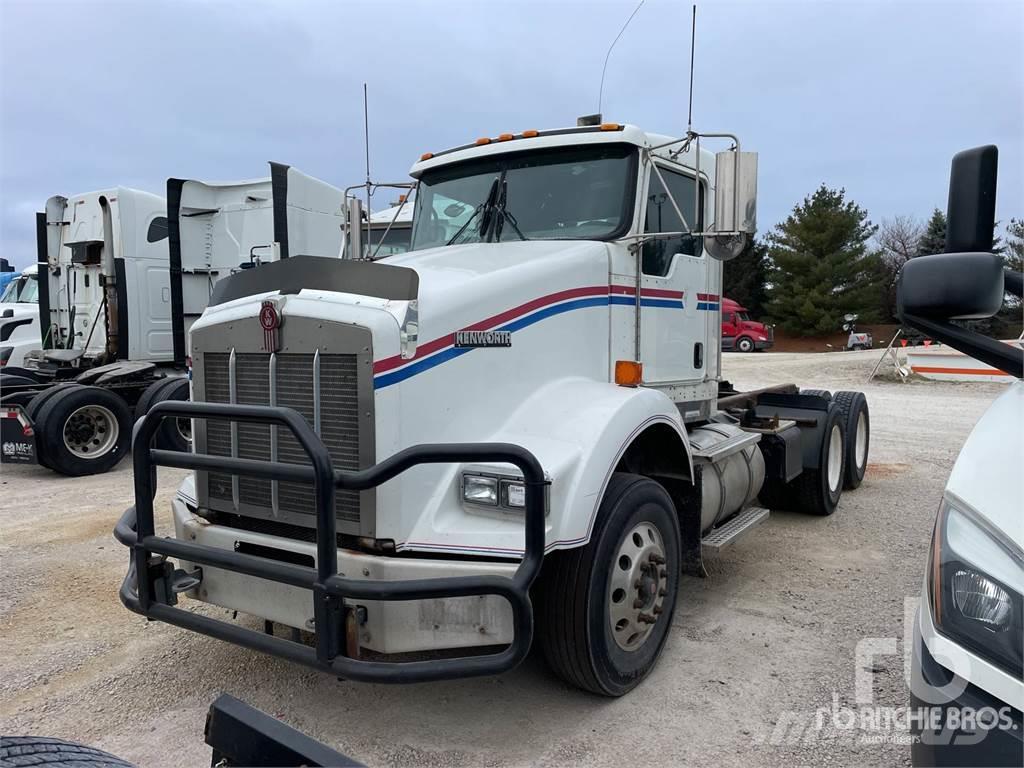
[(971, 210), (735, 204), (951, 286)]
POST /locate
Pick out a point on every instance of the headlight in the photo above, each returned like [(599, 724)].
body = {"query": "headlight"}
[(975, 583), (479, 489), (513, 494)]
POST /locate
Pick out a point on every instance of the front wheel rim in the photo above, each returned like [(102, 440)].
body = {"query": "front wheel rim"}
[(90, 432), (638, 586), (835, 458)]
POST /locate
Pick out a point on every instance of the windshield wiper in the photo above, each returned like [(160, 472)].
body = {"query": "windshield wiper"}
[(501, 206), (486, 207)]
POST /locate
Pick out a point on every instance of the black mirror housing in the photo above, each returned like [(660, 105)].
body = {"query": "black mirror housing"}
[(951, 286), (971, 209)]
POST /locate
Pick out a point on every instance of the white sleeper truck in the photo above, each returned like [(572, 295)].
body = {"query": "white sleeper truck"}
[(117, 297), (517, 428)]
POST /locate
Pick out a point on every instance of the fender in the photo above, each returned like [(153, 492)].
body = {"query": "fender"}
[(578, 429)]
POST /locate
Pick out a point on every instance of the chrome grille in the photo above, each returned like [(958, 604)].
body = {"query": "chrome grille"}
[(321, 387)]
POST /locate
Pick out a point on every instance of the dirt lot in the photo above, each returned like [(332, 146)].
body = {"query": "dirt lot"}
[(769, 637)]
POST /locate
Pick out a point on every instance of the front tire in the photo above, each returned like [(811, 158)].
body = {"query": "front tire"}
[(606, 608), (743, 344)]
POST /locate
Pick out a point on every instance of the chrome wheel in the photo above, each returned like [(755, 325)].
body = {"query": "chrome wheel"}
[(637, 587), (861, 442), (835, 458), (90, 432)]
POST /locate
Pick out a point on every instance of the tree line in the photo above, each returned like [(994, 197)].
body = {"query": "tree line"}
[(827, 260)]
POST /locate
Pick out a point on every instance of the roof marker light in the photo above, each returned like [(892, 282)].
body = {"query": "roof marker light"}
[(482, 140), (530, 134), (505, 137), (426, 156), (611, 127)]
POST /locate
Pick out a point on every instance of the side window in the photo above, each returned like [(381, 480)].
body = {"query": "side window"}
[(662, 217), (157, 229)]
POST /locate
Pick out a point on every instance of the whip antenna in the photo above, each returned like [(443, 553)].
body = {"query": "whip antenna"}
[(366, 143), (693, 40), (600, 92)]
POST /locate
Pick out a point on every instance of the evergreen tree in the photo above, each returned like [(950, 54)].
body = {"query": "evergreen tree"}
[(934, 238), (1013, 251), (745, 278), (823, 267)]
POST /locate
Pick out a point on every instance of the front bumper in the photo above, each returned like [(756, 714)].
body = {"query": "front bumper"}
[(152, 583), (385, 627), (971, 727), (762, 345)]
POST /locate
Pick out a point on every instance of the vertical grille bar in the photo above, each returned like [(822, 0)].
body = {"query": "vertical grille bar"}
[(275, 502), (233, 394), (316, 391)]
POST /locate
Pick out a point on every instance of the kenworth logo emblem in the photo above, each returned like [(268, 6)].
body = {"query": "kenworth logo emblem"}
[(270, 320), (483, 338)]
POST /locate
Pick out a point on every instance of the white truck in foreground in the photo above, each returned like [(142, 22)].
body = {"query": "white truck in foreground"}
[(520, 423), (122, 275), (967, 673)]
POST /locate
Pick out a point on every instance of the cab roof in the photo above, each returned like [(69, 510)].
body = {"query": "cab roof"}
[(606, 133)]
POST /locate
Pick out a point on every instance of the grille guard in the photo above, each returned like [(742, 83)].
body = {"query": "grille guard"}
[(147, 590)]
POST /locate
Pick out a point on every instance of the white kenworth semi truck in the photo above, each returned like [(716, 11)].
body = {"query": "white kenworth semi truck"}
[(518, 427), (122, 275)]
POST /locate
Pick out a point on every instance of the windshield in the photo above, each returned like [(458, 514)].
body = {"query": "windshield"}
[(563, 193), (24, 290)]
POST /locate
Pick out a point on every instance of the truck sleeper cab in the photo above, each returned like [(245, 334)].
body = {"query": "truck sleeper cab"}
[(537, 380)]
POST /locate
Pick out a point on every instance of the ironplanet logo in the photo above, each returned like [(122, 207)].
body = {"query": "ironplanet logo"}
[(483, 338)]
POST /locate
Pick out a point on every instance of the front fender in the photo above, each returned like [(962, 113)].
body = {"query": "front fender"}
[(578, 429)]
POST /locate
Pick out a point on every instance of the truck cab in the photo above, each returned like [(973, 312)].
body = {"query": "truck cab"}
[(740, 333), (523, 413), (19, 318)]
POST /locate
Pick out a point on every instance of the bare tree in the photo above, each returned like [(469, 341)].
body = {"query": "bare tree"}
[(898, 239)]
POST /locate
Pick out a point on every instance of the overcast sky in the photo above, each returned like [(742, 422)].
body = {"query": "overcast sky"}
[(873, 97)]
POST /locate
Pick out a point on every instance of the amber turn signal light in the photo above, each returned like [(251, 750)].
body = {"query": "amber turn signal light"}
[(628, 373)]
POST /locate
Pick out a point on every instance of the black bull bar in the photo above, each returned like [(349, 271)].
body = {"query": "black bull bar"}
[(146, 590)]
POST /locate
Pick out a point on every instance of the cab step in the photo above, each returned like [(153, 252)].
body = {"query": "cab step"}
[(728, 533)]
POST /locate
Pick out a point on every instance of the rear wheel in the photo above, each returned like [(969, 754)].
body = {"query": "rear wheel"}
[(84, 430), (606, 608), (814, 491), (854, 409), (33, 409), (744, 344), (173, 434)]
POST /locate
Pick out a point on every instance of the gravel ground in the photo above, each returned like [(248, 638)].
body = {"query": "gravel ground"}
[(762, 643)]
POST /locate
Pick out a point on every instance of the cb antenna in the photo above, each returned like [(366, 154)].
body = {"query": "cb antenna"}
[(693, 40), (366, 143), (600, 92)]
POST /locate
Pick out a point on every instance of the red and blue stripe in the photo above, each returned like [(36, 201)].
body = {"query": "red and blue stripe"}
[(430, 354)]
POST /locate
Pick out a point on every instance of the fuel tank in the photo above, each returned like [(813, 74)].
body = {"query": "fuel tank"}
[(732, 478)]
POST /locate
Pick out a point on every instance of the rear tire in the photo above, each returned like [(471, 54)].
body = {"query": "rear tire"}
[(35, 405), (817, 393), (38, 750), (173, 434), (592, 598), (814, 491), (854, 409), (84, 430)]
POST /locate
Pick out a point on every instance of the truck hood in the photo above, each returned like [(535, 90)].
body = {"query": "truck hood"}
[(987, 472), (497, 274)]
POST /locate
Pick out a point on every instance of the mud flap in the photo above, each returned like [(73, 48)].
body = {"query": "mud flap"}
[(689, 524), (17, 436)]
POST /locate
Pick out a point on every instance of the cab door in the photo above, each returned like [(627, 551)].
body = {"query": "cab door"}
[(673, 323)]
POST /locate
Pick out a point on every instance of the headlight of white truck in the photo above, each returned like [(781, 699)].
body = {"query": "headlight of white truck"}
[(975, 582), (507, 494)]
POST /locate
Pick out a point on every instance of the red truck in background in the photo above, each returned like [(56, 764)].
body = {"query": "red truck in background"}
[(740, 333)]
